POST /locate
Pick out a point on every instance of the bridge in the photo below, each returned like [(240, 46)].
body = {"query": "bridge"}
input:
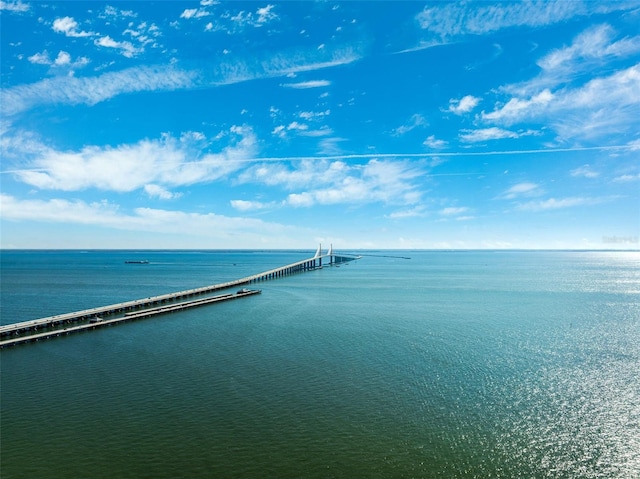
[(63, 324)]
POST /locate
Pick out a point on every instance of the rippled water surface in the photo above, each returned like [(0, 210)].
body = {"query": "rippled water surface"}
[(447, 364)]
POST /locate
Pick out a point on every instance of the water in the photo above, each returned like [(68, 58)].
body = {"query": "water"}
[(448, 364)]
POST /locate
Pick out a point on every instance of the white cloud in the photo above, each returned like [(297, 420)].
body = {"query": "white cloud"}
[(594, 43), (239, 231), (294, 125), (434, 161), (144, 34), (590, 51), (634, 145), (280, 131), (58, 210), (300, 200), (377, 181), (14, 7), (619, 89), (69, 27), (92, 90), (518, 109), (265, 14), (416, 120), (301, 129), (302, 174), (194, 13), (40, 58), (330, 146), (521, 190), (485, 134), (322, 131), (314, 115), (584, 171), (554, 204), (62, 60), (284, 63), (464, 105), (453, 211), (616, 91), (602, 107), (307, 84), (110, 11), (627, 178), (127, 49), (233, 23), (433, 142), (156, 191), (325, 182), (192, 137), (607, 104), (261, 17), (416, 211), (449, 20), (149, 164), (292, 62), (243, 205)]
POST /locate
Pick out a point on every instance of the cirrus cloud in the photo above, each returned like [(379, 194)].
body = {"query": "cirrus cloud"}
[(559, 203), (493, 133), (453, 210), (521, 190), (449, 20), (307, 84), (585, 171), (93, 90)]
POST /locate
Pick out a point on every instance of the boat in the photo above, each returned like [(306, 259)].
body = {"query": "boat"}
[(142, 261)]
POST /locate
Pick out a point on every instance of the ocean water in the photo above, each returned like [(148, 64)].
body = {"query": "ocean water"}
[(445, 365)]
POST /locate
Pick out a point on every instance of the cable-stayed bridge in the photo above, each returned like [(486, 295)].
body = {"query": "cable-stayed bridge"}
[(63, 324)]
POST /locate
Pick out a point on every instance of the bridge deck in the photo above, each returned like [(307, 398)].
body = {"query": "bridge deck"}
[(34, 325), (127, 317)]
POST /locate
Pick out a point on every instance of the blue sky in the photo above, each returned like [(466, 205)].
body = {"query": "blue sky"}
[(285, 124)]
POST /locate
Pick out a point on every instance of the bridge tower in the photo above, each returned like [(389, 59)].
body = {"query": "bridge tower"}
[(318, 256)]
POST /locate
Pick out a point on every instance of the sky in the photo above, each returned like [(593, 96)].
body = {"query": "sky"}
[(279, 125)]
